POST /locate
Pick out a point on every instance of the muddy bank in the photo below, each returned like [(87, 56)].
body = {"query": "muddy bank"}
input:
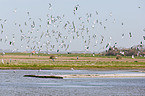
[(86, 76)]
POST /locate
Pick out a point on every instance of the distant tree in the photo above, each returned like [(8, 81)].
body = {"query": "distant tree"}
[(135, 50), (131, 52), (112, 52)]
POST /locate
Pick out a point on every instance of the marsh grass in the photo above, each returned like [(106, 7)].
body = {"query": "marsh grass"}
[(67, 55), (23, 61), (73, 64)]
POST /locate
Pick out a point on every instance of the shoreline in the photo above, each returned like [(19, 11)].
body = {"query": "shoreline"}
[(64, 68), (87, 76)]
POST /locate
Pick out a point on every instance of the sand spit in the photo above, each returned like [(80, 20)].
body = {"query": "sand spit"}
[(86, 76)]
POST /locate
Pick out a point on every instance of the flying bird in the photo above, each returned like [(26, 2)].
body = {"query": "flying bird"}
[(130, 34), (50, 5), (75, 9)]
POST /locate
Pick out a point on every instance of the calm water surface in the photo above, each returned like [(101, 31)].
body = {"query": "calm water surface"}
[(12, 83)]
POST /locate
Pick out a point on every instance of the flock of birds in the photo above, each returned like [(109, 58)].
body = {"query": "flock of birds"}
[(58, 33)]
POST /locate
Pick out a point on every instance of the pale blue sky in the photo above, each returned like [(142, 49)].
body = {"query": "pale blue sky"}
[(111, 13)]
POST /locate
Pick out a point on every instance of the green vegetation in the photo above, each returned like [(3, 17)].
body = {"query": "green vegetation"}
[(30, 56), (118, 57), (74, 64), (68, 61)]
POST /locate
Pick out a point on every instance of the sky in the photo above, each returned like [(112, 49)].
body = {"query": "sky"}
[(71, 25)]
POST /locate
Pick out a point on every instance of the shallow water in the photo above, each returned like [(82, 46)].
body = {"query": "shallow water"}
[(12, 83)]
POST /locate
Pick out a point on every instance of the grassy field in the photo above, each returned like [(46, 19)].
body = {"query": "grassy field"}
[(68, 55), (68, 61)]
